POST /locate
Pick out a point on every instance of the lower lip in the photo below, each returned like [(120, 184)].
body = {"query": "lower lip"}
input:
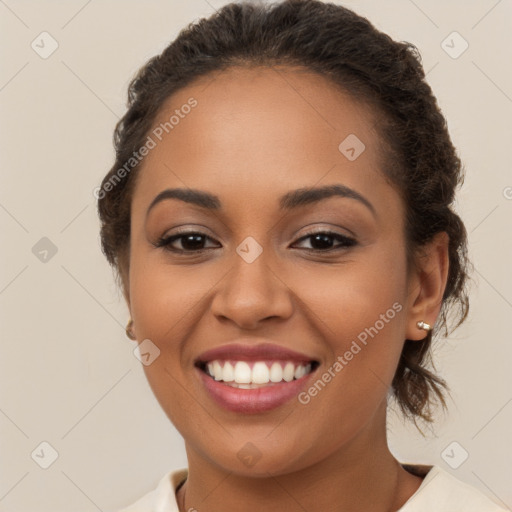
[(256, 400)]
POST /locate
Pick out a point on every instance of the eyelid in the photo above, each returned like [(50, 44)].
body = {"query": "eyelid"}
[(186, 230), (326, 227), (324, 230)]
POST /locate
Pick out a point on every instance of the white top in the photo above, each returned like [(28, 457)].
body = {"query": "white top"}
[(439, 492)]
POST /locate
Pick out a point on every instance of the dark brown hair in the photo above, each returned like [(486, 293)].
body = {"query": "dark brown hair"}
[(419, 157)]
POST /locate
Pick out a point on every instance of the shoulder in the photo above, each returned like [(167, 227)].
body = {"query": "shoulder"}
[(163, 497), (443, 492)]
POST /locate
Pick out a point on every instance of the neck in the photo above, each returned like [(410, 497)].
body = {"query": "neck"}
[(362, 475)]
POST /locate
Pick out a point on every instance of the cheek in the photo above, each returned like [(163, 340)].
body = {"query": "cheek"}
[(358, 310), (165, 298), (165, 301), (358, 314), (350, 297)]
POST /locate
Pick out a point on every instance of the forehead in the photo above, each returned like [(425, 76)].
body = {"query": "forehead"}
[(261, 130)]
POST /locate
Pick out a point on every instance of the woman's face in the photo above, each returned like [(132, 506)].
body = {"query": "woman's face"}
[(259, 140)]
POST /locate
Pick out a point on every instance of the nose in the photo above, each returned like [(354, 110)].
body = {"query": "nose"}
[(251, 293)]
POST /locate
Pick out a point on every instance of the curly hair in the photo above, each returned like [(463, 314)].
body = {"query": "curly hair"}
[(334, 42)]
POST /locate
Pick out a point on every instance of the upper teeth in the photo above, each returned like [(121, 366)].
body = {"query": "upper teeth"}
[(260, 373)]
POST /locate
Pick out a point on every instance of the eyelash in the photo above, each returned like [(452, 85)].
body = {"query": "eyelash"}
[(165, 242)]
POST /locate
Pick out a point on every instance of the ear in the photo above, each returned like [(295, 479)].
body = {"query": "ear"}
[(427, 282)]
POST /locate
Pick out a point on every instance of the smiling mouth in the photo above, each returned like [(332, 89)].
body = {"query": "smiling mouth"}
[(256, 374)]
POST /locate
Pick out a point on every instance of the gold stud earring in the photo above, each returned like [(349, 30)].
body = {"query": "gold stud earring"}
[(424, 326), (129, 330)]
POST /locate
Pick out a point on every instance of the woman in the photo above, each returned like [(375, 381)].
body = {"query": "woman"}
[(280, 218)]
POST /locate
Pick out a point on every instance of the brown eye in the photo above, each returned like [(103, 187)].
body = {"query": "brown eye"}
[(191, 241), (324, 241)]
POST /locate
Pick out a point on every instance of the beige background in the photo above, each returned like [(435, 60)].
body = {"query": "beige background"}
[(68, 373)]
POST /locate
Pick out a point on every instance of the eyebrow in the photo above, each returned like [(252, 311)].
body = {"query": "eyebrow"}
[(289, 201)]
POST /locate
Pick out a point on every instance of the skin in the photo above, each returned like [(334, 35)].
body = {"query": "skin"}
[(255, 135)]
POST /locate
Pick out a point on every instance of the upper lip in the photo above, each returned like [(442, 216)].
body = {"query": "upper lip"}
[(240, 351)]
